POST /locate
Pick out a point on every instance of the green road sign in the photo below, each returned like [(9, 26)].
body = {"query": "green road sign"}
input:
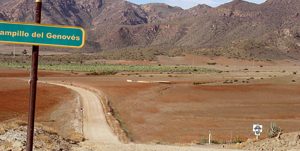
[(45, 35)]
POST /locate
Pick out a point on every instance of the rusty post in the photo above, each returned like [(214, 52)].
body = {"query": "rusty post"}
[(33, 82)]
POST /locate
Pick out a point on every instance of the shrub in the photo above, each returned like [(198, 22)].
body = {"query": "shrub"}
[(203, 141), (212, 63), (274, 130), (237, 140), (199, 83), (94, 73), (215, 142)]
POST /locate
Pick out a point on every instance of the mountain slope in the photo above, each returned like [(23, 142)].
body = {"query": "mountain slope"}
[(236, 29)]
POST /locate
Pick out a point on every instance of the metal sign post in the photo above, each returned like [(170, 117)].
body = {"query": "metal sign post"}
[(33, 82), (36, 35)]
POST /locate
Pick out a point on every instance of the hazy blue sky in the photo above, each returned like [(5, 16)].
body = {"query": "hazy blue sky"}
[(190, 3)]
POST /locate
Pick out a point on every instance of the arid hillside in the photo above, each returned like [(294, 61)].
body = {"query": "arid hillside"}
[(237, 29)]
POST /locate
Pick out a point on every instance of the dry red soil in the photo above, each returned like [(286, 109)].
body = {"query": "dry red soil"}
[(183, 113), (14, 96)]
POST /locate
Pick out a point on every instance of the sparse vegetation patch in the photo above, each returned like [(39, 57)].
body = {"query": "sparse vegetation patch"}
[(274, 130), (111, 69)]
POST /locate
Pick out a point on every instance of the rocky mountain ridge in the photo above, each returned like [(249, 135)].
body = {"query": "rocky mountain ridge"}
[(237, 29)]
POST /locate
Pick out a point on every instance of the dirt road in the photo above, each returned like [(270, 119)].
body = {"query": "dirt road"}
[(100, 136), (95, 127)]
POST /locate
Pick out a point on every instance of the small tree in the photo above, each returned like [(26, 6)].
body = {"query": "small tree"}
[(274, 130)]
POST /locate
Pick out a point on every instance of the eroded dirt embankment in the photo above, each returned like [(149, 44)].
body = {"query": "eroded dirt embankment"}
[(288, 141), (15, 95), (58, 122)]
